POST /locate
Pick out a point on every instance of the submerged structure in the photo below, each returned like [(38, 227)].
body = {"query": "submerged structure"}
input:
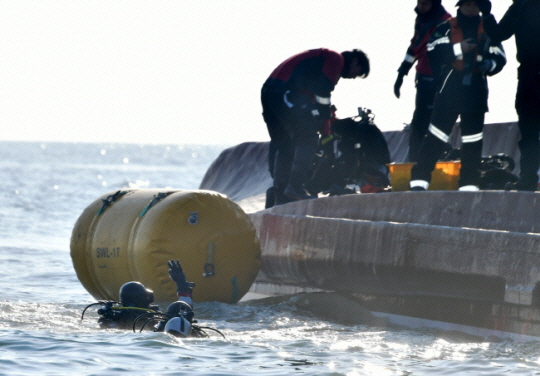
[(459, 259)]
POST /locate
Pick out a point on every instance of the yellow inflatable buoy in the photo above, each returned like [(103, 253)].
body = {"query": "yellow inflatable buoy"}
[(130, 235)]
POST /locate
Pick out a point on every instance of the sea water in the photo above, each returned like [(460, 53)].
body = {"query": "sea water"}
[(46, 186)]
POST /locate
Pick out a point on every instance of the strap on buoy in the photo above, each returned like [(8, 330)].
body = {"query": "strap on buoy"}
[(209, 266), (234, 296), (157, 198), (110, 200)]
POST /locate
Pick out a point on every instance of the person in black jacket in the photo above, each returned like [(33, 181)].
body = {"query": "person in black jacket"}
[(461, 56), (296, 100), (522, 20), (430, 14)]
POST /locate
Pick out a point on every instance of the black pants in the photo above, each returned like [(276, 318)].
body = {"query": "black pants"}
[(528, 109), (436, 139), (425, 94), (293, 138)]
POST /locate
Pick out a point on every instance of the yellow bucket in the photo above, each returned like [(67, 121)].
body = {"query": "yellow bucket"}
[(445, 177)]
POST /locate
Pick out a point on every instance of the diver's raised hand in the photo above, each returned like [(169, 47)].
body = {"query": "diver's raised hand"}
[(175, 271), (177, 275)]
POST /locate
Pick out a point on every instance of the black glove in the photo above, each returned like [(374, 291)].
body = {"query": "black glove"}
[(177, 275), (484, 6), (325, 112), (397, 85)]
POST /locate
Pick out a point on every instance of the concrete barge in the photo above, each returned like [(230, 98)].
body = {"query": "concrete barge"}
[(468, 259)]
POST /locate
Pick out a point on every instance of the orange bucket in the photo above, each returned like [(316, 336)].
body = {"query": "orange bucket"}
[(445, 177)]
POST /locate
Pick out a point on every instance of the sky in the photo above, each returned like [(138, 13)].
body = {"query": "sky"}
[(190, 71)]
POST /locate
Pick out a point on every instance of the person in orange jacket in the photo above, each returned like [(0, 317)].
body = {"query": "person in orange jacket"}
[(461, 57), (430, 14)]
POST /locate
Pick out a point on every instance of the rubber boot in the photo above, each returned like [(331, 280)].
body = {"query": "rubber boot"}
[(282, 168), (431, 150), (471, 159), (300, 170), (529, 163), (529, 147), (419, 126), (270, 198)]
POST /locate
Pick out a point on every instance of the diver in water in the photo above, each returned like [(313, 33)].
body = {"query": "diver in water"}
[(135, 299), (178, 320), (135, 306)]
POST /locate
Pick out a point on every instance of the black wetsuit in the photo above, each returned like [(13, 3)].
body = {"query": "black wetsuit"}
[(296, 90), (120, 318)]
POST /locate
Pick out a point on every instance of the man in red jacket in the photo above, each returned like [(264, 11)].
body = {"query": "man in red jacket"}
[(430, 14), (296, 102)]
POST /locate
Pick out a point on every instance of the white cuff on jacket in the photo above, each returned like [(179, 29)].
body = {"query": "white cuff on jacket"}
[(409, 59), (458, 51), (322, 100)]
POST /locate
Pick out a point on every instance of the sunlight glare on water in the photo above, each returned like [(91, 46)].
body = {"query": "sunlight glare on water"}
[(46, 188)]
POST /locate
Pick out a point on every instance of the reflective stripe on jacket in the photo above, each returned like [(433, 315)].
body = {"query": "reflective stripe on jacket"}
[(456, 36)]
